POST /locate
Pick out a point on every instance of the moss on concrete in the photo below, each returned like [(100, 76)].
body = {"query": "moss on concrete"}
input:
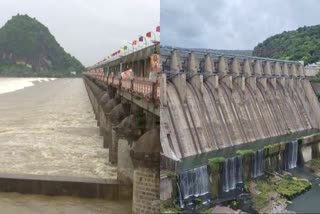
[(245, 152), (215, 163), (283, 146), (215, 171)]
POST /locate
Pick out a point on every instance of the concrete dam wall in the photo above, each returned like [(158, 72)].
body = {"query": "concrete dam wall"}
[(211, 101)]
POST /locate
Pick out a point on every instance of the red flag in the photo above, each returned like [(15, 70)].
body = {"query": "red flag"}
[(148, 34), (134, 42), (118, 51), (141, 39), (158, 28)]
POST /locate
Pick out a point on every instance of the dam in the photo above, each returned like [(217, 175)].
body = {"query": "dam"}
[(125, 94), (228, 119)]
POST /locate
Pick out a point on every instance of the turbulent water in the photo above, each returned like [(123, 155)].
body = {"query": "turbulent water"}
[(14, 203), (291, 155), (257, 164), (13, 84), (50, 129), (232, 173), (194, 182)]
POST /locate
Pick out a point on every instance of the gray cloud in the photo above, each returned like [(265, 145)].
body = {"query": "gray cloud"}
[(89, 30), (232, 24)]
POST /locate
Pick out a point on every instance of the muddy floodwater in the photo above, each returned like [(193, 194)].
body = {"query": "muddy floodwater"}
[(50, 129), (14, 203), (47, 127)]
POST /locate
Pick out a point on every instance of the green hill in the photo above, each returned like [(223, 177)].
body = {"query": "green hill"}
[(27, 48), (302, 44)]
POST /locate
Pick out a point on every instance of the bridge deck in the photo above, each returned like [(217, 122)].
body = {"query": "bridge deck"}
[(49, 129)]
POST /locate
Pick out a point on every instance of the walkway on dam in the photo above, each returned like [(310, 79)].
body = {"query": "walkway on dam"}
[(50, 129)]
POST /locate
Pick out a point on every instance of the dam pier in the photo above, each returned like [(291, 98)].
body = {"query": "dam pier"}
[(127, 111), (226, 120)]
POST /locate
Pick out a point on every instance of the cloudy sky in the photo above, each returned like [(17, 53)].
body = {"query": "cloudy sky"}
[(232, 24), (89, 29)]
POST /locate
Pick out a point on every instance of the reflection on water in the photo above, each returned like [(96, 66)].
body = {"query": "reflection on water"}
[(14, 203)]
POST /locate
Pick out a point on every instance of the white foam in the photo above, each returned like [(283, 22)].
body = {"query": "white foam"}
[(13, 84)]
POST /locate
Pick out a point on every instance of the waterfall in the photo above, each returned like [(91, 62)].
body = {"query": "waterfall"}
[(232, 173), (194, 182), (257, 167), (180, 196), (291, 155)]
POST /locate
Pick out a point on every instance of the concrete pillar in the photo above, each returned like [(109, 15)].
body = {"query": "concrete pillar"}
[(247, 68), (267, 68), (101, 118), (285, 70), (175, 65), (117, 114), (236, 72), (146, 178), (107, 127), (180, 82), (257, 69), (223, 72), (208, 67), (128, 132), (235, 66), (278, 72), (293, 70), (193, 65), (250, 79), (222, 66), (163, 89), (277, 69), (301, 71)]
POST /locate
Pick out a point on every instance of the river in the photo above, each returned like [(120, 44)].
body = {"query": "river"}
[(47, 127)]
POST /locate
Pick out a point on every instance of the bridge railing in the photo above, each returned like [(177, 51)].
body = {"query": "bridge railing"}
[(139, 86)]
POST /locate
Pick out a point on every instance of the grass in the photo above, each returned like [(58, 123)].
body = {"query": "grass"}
[(215, 163), (245, 152), (290, 187), (286, 188), (169, 206)]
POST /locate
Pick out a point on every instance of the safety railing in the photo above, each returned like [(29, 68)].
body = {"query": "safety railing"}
[(139, 86)]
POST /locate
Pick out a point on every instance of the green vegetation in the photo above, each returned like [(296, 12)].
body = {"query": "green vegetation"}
[(302, 44), (169, 206), (289, 187), (315, 78), (262, 200), (28, 49), (245, 152), (280, 189), (215, 163)]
